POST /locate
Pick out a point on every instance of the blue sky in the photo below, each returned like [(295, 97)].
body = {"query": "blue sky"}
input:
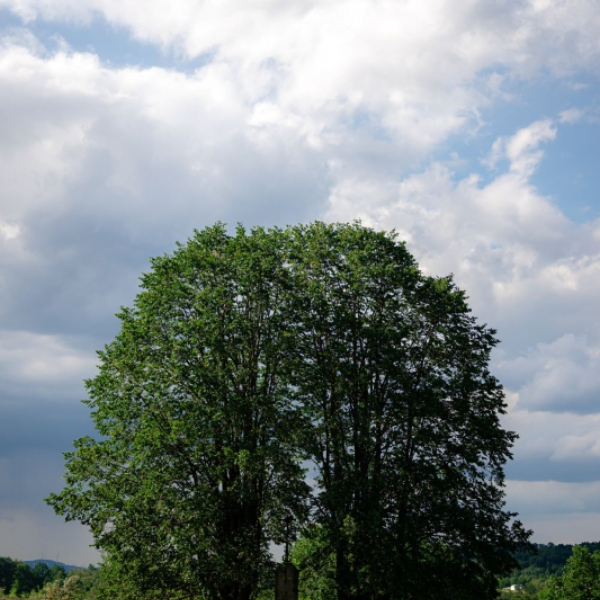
[(473, 129)]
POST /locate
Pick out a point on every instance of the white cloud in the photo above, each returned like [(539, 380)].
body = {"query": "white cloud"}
[(573, 446), (548, 497), (549, 436), (412, 69), (70, 119), (529, 271), (563, 376), (522, 148), (27, 535), (9, 231), (32, 365), (571, 115), (102, 168), (572, 528)]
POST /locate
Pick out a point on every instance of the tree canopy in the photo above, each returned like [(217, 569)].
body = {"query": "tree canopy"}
[(405, 436), (247, 358)]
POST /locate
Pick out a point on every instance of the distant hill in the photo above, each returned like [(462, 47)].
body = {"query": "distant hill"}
[(50, 563)]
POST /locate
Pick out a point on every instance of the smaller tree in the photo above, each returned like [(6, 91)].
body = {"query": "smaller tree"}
[(57, 572), (24, 580), (7, 574), (41, 575)]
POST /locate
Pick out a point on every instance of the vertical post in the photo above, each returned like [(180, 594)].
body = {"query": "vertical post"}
[(286, 582), (286, 579)]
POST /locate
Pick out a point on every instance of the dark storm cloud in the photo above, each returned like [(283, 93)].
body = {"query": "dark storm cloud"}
[(585, 469), (97, 186), (42, 427)]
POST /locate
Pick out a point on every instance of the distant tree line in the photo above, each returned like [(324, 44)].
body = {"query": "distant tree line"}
[(556, 572), (552, 558), (580, 579), (19, 579)]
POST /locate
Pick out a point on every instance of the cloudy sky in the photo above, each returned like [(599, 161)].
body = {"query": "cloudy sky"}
[(471, 127)]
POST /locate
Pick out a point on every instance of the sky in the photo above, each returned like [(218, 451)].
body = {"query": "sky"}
[(472, 128)]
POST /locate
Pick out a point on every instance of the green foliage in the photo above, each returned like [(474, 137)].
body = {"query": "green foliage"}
[(549, 558), (80, 584), (316, 564), (70, 588), (90, 581), (41, 573), (244, 355), (7, 574), (580, 579), (198, 461), (24, 581), (552, 572), (538, 566), (19, 579), (405, 438)]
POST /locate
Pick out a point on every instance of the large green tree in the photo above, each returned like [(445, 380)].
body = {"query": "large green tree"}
[(405, 434), (198, 461), (244, 354)]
